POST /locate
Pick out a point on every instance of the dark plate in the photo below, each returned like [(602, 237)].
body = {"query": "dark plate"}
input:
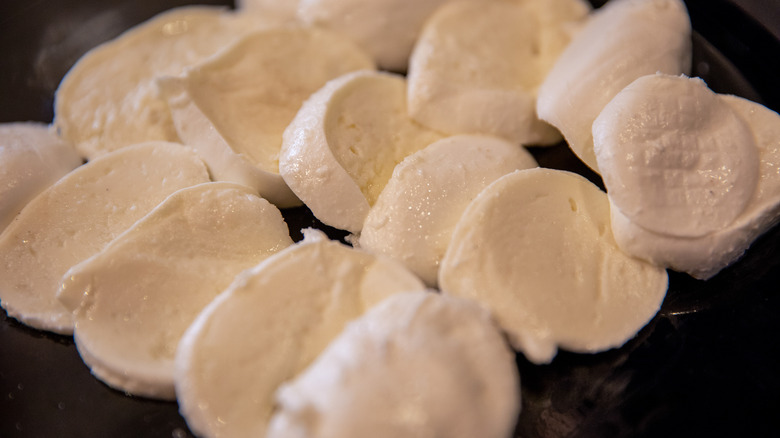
[(707, 365)]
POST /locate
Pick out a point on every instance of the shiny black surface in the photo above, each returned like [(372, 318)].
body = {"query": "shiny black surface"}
[(707, 365)]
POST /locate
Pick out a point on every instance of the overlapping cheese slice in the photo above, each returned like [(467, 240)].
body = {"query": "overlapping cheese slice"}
[(269, 325), (133, 301), (477, 65), (340, 150), (31, 159), (622, 41), (109, 99), (692, 176), (418, 364), (76, 217), (536, 248), (413, 218), (233, 107)]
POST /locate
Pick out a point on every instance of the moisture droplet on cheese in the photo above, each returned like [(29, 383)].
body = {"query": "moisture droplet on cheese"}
[(414, 216), (270, 324), (536, 248), (77, 216), (620, 42), (233, 107), (340, 150), (418, 364), (133, 301)]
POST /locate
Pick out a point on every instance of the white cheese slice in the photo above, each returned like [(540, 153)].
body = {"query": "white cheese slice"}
[(536, 248), (622, 41), (340, 150), (477, 65), (413, 218), (32, 158), (419, 364), (279, 11), (269, 325), (233, 107), (133, 301), (77, 216)]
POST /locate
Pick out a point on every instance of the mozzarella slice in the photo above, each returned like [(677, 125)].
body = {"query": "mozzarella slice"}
[(133, 301), (476, 66), (234, 107), (76, 217), (269, 325), (109, 99), (340, 150), (279, 11), (413, 218), (418, 364), (535, 247), (31, 159), (622, 41)]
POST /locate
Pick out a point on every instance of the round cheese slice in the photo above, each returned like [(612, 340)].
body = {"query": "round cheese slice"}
[(76, 217), (133, 301), (419, 364), (414, 216), (270, 324), (536, 248)]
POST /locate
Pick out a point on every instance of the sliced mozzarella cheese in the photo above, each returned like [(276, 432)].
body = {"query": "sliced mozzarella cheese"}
[(622, 41), (418, 364), (279, 11), (269, 325), (76, 217), (535, 247), (233, 107), (109, 99), (340, 150), (476, 66), (413, 218), (133, 301), (31, 159)]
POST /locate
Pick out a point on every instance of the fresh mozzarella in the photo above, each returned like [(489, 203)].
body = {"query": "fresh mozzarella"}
[(536, 248), (419, 364), (279, 11), (414, 216), (270, 324)]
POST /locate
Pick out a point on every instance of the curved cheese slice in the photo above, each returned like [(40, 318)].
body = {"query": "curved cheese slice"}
[(340, 150), (413, 218), (476, 66), (269, 325), (32, 158), (76, 217), (133, 301), (622, 41), (418, 364), (535, 247)]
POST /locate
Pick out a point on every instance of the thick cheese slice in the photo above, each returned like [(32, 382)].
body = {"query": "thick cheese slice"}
[(270, 324), (32, 158), (76, 217), (133, 301), (622, 41), (340, 150), (413, 218), (536, 248), (419, 364), (233, 107)]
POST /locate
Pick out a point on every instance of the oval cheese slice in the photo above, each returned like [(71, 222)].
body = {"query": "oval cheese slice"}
[(418, 364), (76, 217), (133, 301), (269, 325), (536, 248), (413, 218)]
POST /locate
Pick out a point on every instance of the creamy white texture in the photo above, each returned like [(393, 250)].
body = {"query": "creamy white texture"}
[(413, 218), (277, 11), (536, 248), (419, 364), (270, 324), (76, 217)]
